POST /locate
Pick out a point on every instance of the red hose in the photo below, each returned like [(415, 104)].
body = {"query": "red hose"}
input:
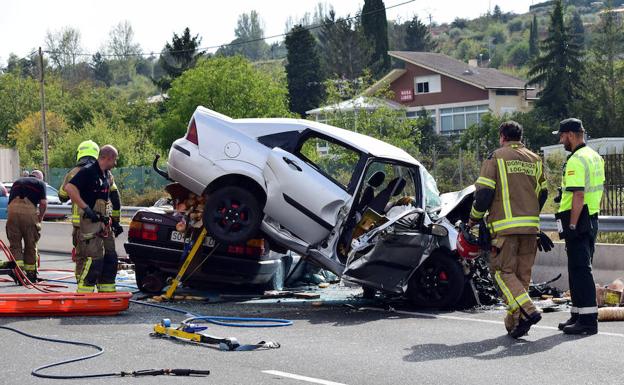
[(21, 276)]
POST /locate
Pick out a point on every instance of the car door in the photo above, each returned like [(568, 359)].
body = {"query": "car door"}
[(307, 189), (387, 260)]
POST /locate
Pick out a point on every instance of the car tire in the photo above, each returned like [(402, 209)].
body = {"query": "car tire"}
[(437, 283), (232, 215), (149, 280)]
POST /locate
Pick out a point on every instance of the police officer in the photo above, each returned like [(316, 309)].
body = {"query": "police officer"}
[(582, 185), (89, 189), (512, 188), (24, 220), (87, 153)]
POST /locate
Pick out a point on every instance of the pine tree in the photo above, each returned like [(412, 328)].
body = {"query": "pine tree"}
[(101, 69), (533, 40), (375, 26), (417, 37), (179, 56), (303, 71), (558, 69)]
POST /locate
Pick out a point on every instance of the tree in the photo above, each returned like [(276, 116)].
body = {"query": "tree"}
[(179, 56), (249, 40), (28, 137), (345, 51), (64, 48), (601, 109), (24, 67), (18, 98), (497, 14), (101, 69), (375, 27), (577, 30), (533, 40), (229, 85), (303, 71), (558, 69), (121, 41), (417, 36)]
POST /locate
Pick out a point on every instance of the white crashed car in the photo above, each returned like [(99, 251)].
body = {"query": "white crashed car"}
[(306, 186)]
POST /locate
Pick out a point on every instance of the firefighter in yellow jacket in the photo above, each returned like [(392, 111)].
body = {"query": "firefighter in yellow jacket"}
[(89, 189), (87, 153), (512, 189)]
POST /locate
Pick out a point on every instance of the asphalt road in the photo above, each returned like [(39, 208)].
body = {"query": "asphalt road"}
[(329, 343)]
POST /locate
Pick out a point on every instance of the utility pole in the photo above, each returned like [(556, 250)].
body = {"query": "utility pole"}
[(461, 168), (44, 128)]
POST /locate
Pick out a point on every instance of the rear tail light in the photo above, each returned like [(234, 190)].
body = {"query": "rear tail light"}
[(253, 248), (146, 231), (191, 135)]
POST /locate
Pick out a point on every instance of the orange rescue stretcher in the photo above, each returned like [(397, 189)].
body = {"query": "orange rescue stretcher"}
[(63, 304)]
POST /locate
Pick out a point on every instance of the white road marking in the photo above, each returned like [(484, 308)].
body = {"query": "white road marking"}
[(475, 320), (301, 378)]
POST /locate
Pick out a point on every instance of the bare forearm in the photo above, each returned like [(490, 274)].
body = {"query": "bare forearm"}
[(74, 195), (43, 206)]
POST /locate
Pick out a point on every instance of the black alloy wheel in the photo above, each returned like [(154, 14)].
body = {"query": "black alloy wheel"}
[(438, 282), (232, 215)]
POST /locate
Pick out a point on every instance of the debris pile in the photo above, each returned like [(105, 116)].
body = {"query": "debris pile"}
[(189, 206), (610, 299)]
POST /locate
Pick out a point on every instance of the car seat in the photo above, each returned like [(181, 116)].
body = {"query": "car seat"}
[(394, 188), (368, 194)]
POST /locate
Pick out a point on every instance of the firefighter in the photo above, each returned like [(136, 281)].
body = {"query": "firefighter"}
[(582, 186), (86, 153), (24, 220), (512, 189), (89, 189)]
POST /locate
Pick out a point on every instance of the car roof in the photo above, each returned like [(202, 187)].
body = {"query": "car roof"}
[(257, 127)]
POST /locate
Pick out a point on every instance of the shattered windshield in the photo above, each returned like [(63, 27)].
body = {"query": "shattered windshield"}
[(432, 194)]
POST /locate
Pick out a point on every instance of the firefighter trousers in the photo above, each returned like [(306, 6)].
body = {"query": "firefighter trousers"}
[(511, 264), (23, 225), (580, 250), (96, 264)]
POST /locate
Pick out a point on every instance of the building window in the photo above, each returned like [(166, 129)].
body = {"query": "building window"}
[(427, 84), (456, 119), (506, 92)]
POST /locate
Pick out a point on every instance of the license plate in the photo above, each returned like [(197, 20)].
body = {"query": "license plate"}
[(177, 236)]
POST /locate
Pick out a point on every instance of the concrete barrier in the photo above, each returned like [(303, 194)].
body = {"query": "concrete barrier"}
[(56, 238), (608, 264)]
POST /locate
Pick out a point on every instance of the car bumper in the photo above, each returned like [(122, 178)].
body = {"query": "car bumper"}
[(216, 269)]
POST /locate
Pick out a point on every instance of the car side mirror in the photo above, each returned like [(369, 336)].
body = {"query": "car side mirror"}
[(438, 230)]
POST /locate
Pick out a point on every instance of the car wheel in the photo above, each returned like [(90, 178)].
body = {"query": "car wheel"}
[(149, 279), (232, 215), (437, 283)]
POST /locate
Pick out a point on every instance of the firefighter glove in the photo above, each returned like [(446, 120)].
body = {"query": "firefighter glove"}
[(117, 229), (544, 243), (89, 213)]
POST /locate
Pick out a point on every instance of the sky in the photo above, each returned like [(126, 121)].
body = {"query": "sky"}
[(24, 24)]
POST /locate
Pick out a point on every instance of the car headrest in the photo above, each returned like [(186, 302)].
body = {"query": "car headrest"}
[(399, 184), (376, 179)]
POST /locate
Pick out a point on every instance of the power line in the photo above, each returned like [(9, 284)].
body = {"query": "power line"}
[(308, 28)]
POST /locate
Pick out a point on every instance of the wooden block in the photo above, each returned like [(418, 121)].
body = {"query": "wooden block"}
[(307, 295), (323, 285), (277, 294)]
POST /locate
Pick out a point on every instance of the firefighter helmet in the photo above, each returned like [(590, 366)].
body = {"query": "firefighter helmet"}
[(467, 243), (87, 148)]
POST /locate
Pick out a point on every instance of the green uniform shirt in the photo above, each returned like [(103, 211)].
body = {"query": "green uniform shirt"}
[(583, 171)]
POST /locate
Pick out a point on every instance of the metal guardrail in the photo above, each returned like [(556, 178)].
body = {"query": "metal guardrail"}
[(126, 211), (607, 224)]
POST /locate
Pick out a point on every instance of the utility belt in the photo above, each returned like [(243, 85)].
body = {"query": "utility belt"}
[(583, 225), (102, 227), (22, 205)]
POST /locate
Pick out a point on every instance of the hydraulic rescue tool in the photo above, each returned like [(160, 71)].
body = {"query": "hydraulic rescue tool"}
[(190, 332)]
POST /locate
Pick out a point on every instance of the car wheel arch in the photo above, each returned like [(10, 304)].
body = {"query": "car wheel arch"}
[(241, 181)]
